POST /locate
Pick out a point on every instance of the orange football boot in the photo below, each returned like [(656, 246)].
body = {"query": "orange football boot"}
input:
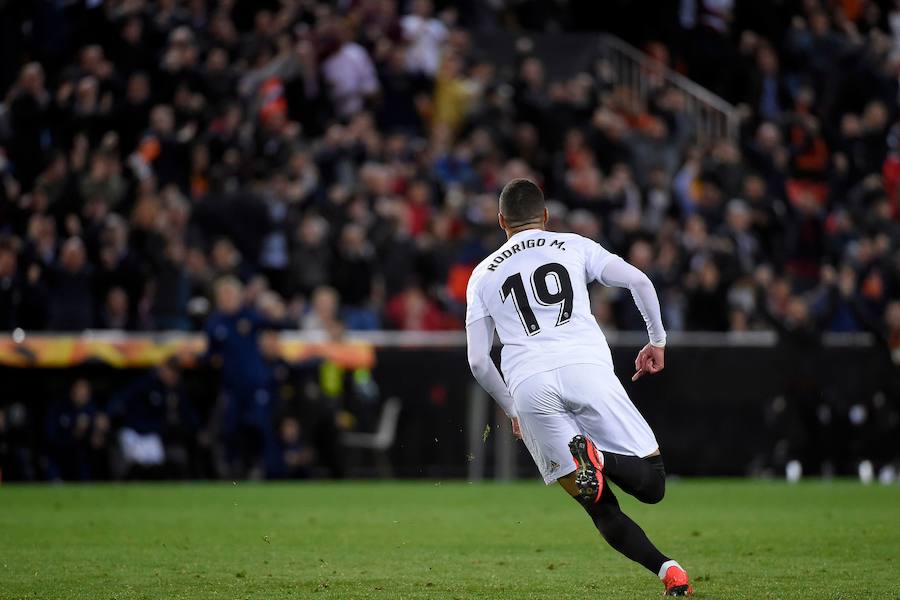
[(676, 582), (589, 468)]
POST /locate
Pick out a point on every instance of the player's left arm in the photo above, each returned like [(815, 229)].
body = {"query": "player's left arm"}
[(479, 340), (618, 273)]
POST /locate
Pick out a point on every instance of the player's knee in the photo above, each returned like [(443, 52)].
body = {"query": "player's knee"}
[(656, 492)]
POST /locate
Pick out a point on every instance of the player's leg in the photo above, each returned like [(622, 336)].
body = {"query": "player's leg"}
[(546, 425), (617, 528), (627, 453), (605, 413), (643, 478), (547, 429)]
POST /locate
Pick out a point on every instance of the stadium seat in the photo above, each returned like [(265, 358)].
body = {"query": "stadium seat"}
[(381, 440)]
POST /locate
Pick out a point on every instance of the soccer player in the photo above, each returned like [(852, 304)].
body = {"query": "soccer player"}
[(559, 388)]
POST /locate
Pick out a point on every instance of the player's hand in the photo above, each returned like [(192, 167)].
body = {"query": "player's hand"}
[(650, 360), (515, 427)]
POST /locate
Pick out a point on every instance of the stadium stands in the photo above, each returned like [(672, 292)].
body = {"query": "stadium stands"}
[(357, 154)]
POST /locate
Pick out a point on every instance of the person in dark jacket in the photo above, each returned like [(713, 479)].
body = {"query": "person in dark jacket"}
[(354, 266), (245, 400), (29, 110), (295, 457), (70, 289), (707, 299), (76, 433), (10, 286), (171, 290)]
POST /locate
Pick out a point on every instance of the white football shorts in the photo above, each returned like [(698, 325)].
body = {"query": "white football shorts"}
[(554, 406)]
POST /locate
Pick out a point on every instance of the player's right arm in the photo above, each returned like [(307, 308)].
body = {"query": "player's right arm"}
[(611, 270), (479, 341)]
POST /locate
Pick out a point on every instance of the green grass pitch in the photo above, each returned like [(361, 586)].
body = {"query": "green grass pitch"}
[(739, 539)]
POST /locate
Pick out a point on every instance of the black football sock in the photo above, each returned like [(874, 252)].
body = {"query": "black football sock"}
[(643, 478), (622, 533)]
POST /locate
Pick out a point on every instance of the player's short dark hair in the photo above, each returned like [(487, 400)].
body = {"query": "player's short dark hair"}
[(521, 202)]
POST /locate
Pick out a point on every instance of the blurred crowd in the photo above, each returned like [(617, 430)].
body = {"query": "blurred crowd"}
[(342, 159)]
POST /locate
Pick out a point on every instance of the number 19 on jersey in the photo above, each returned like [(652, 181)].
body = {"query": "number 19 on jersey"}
[(563, 296)]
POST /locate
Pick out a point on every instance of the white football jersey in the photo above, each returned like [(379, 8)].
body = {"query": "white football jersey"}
[(535, 289)]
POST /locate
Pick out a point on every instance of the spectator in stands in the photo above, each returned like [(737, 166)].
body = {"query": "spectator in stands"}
[(30, 107), (323, 311), (226, 261), (116, 313), (424, 36), (11, 289), (69, 289), (769, 89), (892, 321), (311, 256), (706, 299), (348, 71), (354, 267), (171, 288), (117, 267), (412, 310)]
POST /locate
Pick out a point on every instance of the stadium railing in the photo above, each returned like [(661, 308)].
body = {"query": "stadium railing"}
[(565, 55), (713, 117)]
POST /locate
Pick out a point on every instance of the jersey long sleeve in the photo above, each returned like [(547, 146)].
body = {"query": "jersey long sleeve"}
[(479, 339), (618, 273)]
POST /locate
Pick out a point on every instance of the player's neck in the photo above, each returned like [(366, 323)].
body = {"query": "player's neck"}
[(514, 230)]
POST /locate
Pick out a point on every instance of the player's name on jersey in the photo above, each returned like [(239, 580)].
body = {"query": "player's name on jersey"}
[(519, 247)]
